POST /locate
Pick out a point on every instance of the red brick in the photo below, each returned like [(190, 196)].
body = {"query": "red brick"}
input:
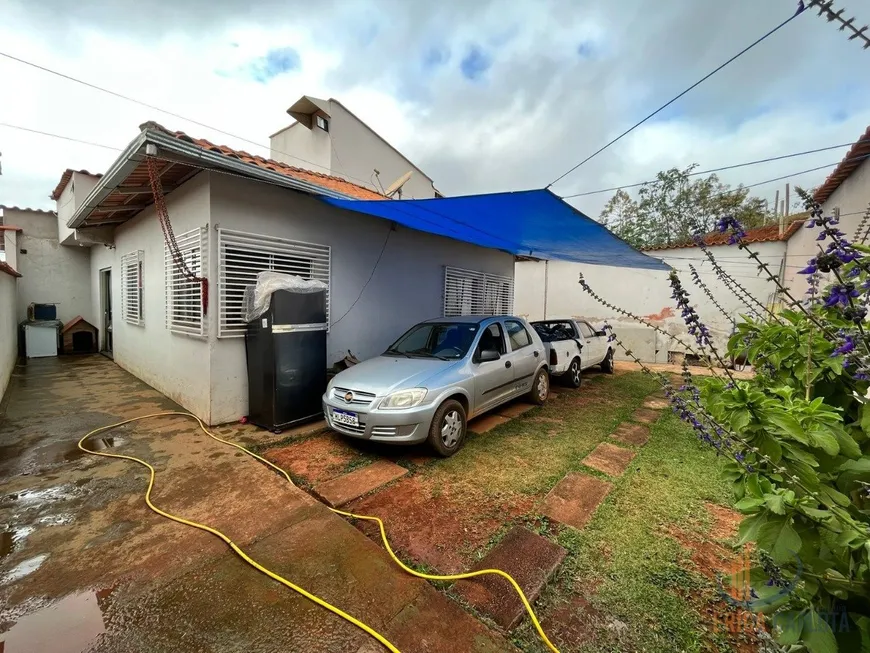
[(574, 499), (529, 558), (609, 458), (353, 485)]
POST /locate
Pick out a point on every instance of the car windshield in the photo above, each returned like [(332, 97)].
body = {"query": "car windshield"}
[(444, 340)]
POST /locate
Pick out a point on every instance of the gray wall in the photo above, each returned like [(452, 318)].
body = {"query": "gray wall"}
[(407, 286), (176, 365), (51, 273), (8, 329)]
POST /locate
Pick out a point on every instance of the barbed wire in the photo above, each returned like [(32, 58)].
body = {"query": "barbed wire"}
[(826, 9)]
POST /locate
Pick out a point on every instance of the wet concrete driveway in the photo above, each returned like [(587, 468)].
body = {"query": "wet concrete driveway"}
[(85, 566)]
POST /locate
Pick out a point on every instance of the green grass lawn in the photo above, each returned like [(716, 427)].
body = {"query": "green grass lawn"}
[(640, 575), (636, 579)]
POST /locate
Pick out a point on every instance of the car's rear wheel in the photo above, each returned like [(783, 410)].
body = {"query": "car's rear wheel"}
[(607, 363), (447, 431), (573, 376), (540, 388)]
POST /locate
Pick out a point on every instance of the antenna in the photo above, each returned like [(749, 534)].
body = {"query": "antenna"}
[(397, 185)]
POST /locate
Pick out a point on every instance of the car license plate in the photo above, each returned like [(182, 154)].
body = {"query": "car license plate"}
[(343, 417)]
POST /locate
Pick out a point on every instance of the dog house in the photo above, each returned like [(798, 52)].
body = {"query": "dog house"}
[(79, 337)]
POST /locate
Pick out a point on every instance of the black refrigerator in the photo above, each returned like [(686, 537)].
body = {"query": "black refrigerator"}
[(286, 352)]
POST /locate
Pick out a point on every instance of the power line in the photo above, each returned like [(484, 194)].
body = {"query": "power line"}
[(156, 108), (670, 102), (604, 258), (65, 138), (712, 170)]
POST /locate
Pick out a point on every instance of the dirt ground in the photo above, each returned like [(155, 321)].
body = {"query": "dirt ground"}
[(85, 565)]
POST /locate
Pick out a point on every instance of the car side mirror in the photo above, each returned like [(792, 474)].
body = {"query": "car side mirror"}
[(601, 333), (488, 355)]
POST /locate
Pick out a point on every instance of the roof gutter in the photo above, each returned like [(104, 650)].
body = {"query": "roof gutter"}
[(131, 157), (120, 170)]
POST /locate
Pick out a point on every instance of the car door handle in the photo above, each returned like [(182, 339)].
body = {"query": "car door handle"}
[(507, 363), (588, 342)]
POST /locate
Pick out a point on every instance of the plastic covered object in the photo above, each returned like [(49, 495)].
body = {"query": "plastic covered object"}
[(257, 297)]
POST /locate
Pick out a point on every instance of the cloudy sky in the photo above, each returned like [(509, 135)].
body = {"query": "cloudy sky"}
[(484, 96)]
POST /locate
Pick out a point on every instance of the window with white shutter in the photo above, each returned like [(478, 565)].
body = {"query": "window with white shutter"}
[(183, 294), (468, 292), (243, 255), (131, 287)]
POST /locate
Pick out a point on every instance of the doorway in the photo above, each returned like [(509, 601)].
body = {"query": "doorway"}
[(106, 310)]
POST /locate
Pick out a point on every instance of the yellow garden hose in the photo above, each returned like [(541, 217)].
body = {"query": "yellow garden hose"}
[(244, 556)]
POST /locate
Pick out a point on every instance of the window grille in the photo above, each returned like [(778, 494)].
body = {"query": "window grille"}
[(184, 295), (243, 255), (131, 287), (467, 292)]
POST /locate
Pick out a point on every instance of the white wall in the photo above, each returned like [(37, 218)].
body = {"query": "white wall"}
[(407, 286), (851, 197), (349, 150), (644, 292), (51, 273), (310, 145), (176, 365), (8, 330), (71, 198), (359, 150)]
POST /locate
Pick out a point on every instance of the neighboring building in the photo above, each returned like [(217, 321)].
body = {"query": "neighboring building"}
[(328, 138), (235, 215), (846, 191), (550, 289), (52, 272)]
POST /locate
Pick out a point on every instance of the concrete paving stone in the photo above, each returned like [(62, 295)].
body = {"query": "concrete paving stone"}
[(656, 403), (486, 423), (514, 409), (552, 395), (630, 433), (609, 458), (574, 499), (353, 485), (435, 624), (646, 416), (529, 558)]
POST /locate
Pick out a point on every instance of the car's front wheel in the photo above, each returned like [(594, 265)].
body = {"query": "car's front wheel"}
[(447, 431), (540, 388)]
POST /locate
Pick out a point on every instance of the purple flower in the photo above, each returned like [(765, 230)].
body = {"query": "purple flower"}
[(840, 295), (847, 346), (811, 268), (822, 236)]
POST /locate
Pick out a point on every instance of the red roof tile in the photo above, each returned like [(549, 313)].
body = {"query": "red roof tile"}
[(317, 178), (766, 234), (856, 155), (64, 180), (8, 269)]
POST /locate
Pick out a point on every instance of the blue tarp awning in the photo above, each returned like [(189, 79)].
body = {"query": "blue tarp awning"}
[(533, 223)]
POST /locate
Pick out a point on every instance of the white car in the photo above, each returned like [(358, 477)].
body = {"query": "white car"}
[(572, 346)]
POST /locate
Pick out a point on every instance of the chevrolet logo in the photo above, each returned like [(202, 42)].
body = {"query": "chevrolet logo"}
[(348, 396)]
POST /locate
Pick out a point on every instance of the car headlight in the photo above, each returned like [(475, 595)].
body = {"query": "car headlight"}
[(404, 399)]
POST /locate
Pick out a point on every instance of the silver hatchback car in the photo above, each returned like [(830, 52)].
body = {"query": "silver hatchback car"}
[(437, 376)]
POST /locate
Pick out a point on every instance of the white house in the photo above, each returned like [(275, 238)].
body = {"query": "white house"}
[(327, 137), (846, 192), (550, 289), (233, 216)]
